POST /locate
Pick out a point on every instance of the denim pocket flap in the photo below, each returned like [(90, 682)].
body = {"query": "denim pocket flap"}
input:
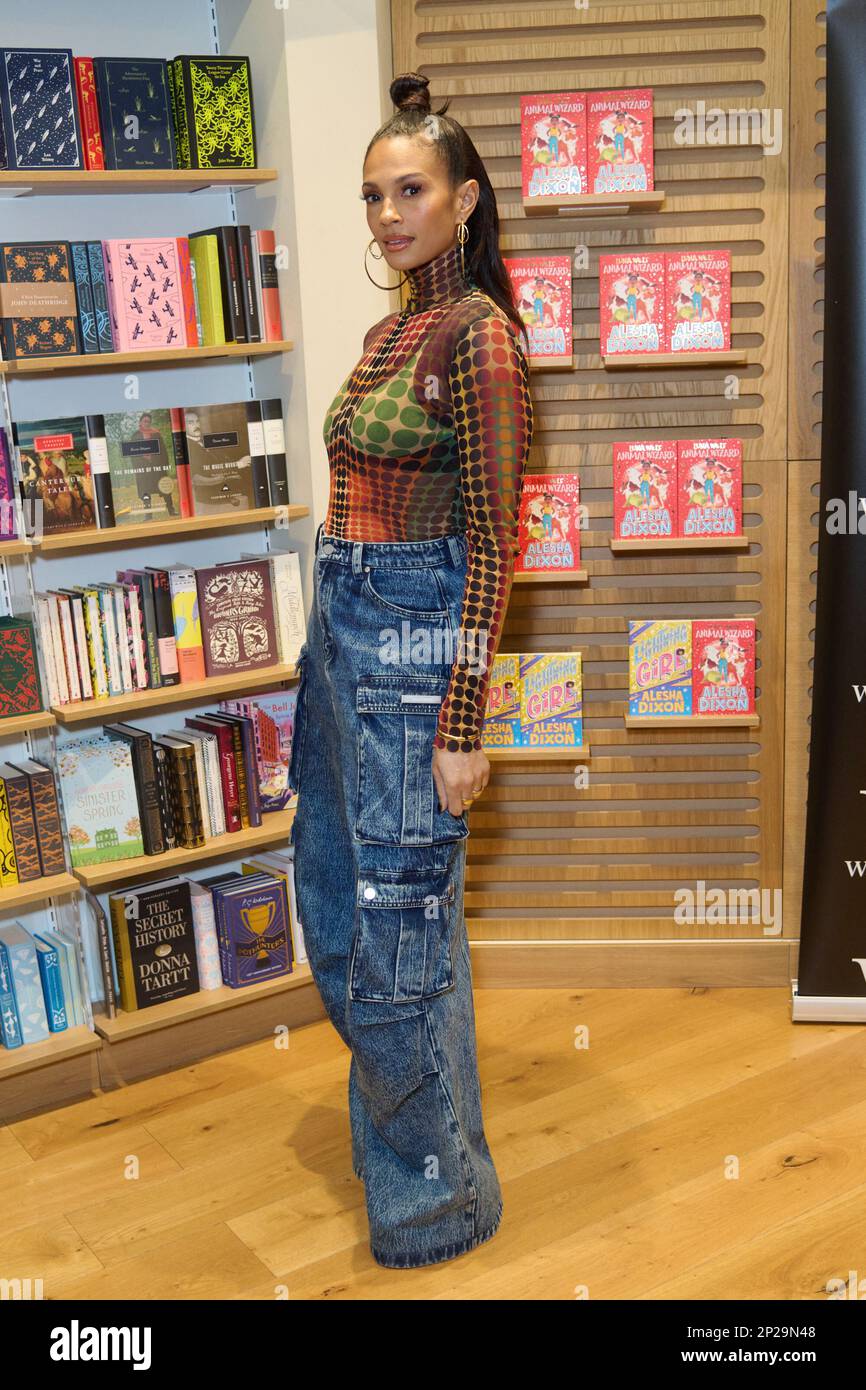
[(402, 947), (400, 694), (382, 893)]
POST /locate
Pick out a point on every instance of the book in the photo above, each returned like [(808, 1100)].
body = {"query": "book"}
[(275, 450), (142, 581), (272, 714), (82, 655), (181, 460), (166, 640), (184, 790), (145, 293), (188, 295), (26, 982), (619, 141), (140, 745), (135, 113), (46, 814), (54, 475), (38, 304), (267, 285), (632, 303), (154, 943), (252, 317), (551, 700), (549, 524), (39, 111), (660, 668), (97, 785), (281, 863), (9, 491), (20, 686), (247, 763), (227, 766), (48, 960), (541, 288), (164, 789), (253, 924), (553, 144), (187, 623), (698, 297), (710, 487), (100, 471), (8, 864), (288, 601), (19, 806), (204, 251), (237, 616), (228, 255), (258, 453), (142, 465), (92, 147), (645, 496), (84, 293), (214, 111), (10, 1023), (96, 262), (209, 790), (724, 666), (95, 645), (67, 953), (220, 463), (500, 726), (210, 973)]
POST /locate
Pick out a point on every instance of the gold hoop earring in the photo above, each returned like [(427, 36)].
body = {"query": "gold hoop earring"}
[(462, 238), (379, 258)]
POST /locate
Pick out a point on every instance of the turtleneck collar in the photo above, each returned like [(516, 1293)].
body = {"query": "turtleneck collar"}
[(436, 282)]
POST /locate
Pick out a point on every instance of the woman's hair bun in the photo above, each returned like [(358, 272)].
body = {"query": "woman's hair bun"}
[(411, 91)]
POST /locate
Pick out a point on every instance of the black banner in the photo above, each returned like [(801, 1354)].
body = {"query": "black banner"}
[(833, 928)]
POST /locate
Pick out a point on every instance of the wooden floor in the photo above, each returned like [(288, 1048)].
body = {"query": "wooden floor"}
[(231, 1179)]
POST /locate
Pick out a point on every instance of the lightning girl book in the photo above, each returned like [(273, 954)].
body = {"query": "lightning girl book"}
[(551, 700), (660, 668)]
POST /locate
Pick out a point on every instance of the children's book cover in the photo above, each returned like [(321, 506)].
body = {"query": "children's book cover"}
[(644, 489), (501, 725), (549, 524), (660, 668), (632, 303), (619, 141), (553, 144), (724, 657), (698, 292), (273, 717), (551, 700), (55, 478), (542, 294), (710, 487)]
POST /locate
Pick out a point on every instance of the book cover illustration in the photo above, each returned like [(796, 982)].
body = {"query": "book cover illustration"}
[(97, 785), (660, 668), (19, 808), (37, 299), (500, 727), (273, 717), (39, 108), (551, 700), (632, 303), (237, 616), (220, 463), (147, 300), (88, 110), (54, 475), (710, 473), (553, 144), (20, 691), (619, 141), (724, 660), (154, 943), (26, 982), (141, 462), (215, 111), (135, 109), (541, 290), (255, 928), (644, 489), (698, 294), (549, 524)]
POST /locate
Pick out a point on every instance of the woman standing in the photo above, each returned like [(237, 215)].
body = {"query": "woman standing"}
[(427, 440)]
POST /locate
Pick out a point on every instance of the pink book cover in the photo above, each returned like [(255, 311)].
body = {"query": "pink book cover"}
[(723, 655), (542, 295), (698, 292), (710, 487), (644, 489), (147, 298), (619, 141), (553, 144), (631, 296), (549, 524)]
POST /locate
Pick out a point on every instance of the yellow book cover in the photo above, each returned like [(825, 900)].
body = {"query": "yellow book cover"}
[(95, 649), (203, 250), (8, 865), (122, 954)]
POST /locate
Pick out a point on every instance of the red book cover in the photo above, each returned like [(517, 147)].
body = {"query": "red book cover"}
[(553, 144), (265, 248), (698, 294), (710, 487), (644, 489), (20, 691), (228, 766), (619, 141), (541, 289), (237, 616), (549, 524), (631, 298), (181, 460), (88, 111), (187, 291), (723, 655)]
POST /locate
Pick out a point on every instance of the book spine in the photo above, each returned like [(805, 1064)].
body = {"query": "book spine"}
[(165, 627), (109, 640), (187, 293), (103, 102), (8, 862), (183, 112), (43, 624), (196, 301), (136, 626), (205, 252), (97, 454), (243, 778), (181, 461), (258, 455), (57, 649), (185, 804), (215, 792), (84, 295), (163, 787), (248, 284), (275, 450), (187, 625), (124, 639), (172, 97), (100, 296), (144, 771), (52, 989), (88, 113), (95, 645), (122, 954), (76, 605), (23, 826), (111, 295), (68, 638), (201, 783), (144, 584), (49, 830), (266, 257), (10, 1023), (254, 800)]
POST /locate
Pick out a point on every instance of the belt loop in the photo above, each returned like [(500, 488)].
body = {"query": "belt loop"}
[(454, 547), (319, 530), (357, 553)]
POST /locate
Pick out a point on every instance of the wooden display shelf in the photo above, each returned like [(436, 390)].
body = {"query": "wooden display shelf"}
[(214, 688), (594, 204), (206, 1002), (694, 721), (72, 1042), (580, 753), (274, 828), (171, 526), (552, 577), (20, 723), (36, 891), (682, 543), (164, 357), (556, 364), (16, 547), (51, 183), (731, 357)]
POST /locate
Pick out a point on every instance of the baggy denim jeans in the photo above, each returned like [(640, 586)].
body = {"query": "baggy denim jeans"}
[(379, 875)]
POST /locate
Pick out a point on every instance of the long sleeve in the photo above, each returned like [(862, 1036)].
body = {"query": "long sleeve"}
[(492, 414)]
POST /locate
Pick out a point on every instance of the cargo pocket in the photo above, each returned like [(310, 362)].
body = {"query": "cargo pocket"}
[(397, 800), (402, 948)]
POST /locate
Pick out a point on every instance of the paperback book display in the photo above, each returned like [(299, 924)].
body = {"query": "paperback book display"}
[(587, 142), (685, 666), (619, 141), (549, 524), (534, 700), (644, 489), (553, 144), (542, 295), (665, 302), (677, 488), (710, 485)]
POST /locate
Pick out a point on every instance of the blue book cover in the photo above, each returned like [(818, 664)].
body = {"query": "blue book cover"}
[(255, 928), (100, 296), (68, 974), (135, 113), (10, 1024), (26, 982), (40, 115), (84, 291), (48, 960)]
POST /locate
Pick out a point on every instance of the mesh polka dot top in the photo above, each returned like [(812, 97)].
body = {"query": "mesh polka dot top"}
[(428, 436)]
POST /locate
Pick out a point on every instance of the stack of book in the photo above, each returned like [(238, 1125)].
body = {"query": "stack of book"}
[(665, 301), (31, 834), (40, 985), (677, 488), (586, 142)]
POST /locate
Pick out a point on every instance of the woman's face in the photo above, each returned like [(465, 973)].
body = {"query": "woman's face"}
[(411, 210)]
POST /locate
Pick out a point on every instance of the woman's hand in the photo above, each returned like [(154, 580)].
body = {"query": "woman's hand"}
[(459, 776)]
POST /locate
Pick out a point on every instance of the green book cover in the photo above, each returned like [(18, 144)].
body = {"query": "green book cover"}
[(214, 111)]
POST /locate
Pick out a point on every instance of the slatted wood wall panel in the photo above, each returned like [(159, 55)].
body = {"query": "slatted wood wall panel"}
[(549, 862)]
